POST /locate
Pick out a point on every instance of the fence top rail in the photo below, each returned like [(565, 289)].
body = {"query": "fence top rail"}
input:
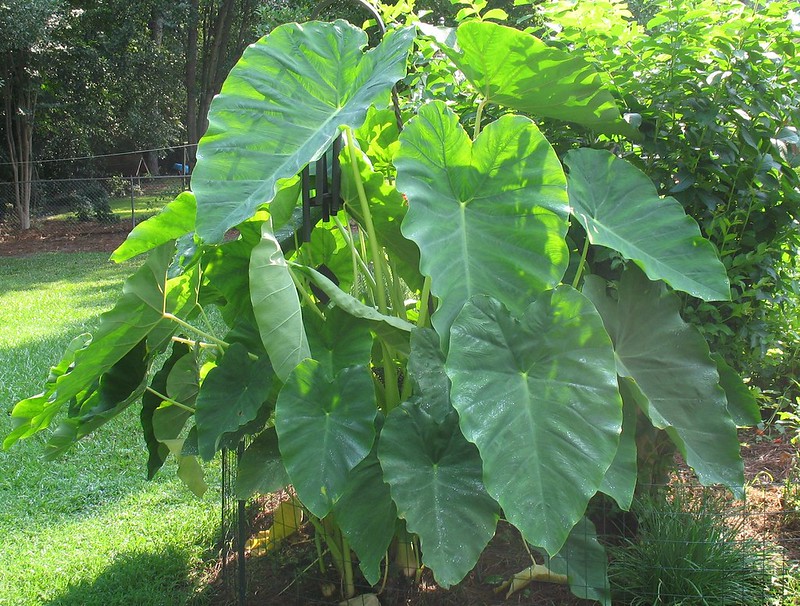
[(105, 178)]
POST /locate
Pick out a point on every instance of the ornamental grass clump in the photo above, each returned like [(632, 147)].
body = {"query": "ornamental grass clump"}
[(689, 550)]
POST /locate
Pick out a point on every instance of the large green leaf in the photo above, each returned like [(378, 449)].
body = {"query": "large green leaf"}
[(282, 106), (174, 221), (435, 478), (232, 394), (426, 369), (277, 306), (367, 516), (620, 480), (137, 315), (515, 69), (489, 217), (260, 470), (671, 365), (539, 398), (326, 426), (619, 207), (584, 561)]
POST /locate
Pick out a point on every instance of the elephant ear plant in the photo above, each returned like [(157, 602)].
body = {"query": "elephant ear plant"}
[(443, 352)]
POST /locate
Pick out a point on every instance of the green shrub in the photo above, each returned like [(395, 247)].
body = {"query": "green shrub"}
[(688, 550)]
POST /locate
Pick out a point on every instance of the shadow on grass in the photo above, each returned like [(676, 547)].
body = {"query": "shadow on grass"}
[(165, 578)]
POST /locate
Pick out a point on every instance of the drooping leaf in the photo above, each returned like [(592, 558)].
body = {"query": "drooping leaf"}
[(426, 369), (539, 398), (116, 389), (435, 478), (326, 426), (175, 220), (30, 407), (189, 470), (277, 306), (619, 207), (137, 315), (620, 480), (232, 394), (516, 69), (157, 450), (584, 561), (393, 330), (742, 404), (670, 363), (260, 470), (366, 515), (282, 106), (489, 217)]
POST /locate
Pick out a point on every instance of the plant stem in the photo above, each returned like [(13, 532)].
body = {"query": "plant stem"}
[(304, 294), (582, 263), (354, 251), (170, 400), (209, 337), (478, 118), (347, 561), (377, 258), (422, 320), (200, 344), (391, 390)]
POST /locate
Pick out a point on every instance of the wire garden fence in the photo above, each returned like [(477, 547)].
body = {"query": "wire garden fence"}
[(69, 205), (680, 544)]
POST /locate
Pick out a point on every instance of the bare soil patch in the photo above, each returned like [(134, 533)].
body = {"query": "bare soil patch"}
[(63, 236)]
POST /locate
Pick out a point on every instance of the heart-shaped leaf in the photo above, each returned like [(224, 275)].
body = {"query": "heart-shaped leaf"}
[(367, 516), (326, 426), (281, 107), (232, 394), (426, 369), (435, 478), (539, 398), (489, 217), (671, 365), (619, 207), (516, 69)]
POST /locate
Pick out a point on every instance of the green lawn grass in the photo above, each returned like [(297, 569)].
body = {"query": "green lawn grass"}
[(87, 529)]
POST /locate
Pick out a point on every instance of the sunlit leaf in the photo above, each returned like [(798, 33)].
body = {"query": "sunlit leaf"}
[(539, 398), (282, 106), (489, 217), (619, 207)]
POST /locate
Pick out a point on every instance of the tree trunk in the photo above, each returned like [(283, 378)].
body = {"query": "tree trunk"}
[(20, 104), (191, 81)]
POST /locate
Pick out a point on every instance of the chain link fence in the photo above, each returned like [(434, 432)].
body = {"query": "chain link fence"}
[(61, 206)]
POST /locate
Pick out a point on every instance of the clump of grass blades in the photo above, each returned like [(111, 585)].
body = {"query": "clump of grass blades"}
[(689, 551)]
